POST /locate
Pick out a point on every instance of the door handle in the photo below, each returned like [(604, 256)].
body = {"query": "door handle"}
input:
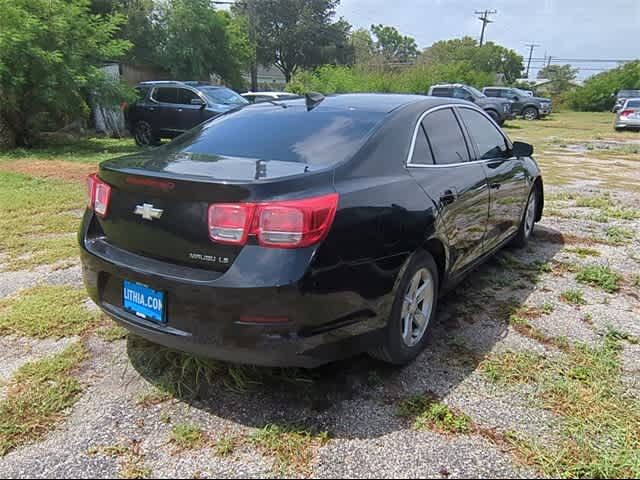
[(495, 186), (179, 109), (448, 196)]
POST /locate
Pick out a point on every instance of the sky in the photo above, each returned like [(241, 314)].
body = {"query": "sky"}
[(565, 29)]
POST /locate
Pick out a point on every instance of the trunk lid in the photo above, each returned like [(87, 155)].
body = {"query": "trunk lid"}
[(159, 201)]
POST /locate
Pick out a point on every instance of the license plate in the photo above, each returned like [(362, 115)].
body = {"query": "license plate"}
[(143, 301)]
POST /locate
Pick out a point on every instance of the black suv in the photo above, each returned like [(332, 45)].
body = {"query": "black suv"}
[(529, 107), (499, 109), (166, 109)]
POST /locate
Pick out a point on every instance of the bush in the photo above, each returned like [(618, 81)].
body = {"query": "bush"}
[(597, 92)]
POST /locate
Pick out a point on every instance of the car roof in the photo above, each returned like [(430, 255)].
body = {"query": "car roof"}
[(449, 85), (271, 93), (367, 102), (178, 83)]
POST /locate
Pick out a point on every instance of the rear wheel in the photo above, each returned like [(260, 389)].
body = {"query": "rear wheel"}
[(530, 113), (144, 136), (496, 118), (528, 220), (413, 312)]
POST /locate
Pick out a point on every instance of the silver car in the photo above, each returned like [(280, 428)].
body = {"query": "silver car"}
[(628, 116)]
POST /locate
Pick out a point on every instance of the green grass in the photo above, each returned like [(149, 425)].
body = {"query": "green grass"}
[(548, 308), (38, 220), (600, 421), (50, 311), (90, 150), (112, 333), (619, 235), (293, 448), (37, 395), (599, 276), (573, 296), (583, 251), (426, 412), (187, 436), (513, 367), (225, 446)]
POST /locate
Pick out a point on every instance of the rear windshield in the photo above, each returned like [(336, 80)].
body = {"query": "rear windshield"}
[(633, 104), (628, 93), (224, 96), (292, 134)]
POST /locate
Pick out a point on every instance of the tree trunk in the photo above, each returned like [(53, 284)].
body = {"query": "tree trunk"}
[(254, 77), (7, 135)]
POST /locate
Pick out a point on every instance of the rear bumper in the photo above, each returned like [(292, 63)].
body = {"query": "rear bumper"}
[(217, 318), (631, 124)]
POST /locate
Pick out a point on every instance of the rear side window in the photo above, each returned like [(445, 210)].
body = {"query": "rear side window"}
[(293, 134), (165, 95), (421, 150), (488, 141), (446, 138), (441, 92), (491, 92)]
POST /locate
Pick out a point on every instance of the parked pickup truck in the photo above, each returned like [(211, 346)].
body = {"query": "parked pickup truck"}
[(499, 109), (529, 107)]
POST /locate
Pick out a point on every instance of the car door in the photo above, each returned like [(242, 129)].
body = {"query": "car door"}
[(164, 111), (462, 94), (516, 101), (506, 175), (440, 163), (188, 114)]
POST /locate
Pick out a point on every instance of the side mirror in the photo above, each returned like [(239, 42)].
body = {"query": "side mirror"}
[(521, 149), (197, 101), (516, 98)]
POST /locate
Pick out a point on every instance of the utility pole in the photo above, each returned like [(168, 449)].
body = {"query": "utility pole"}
[(531, 47), (484, 18)]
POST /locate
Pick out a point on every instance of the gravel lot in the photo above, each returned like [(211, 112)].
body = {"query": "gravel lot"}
[(118, 428)]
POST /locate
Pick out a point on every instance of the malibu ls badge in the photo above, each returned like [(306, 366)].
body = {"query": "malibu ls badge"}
[(148, 212)]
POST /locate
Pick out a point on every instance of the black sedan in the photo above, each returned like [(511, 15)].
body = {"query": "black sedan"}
[(298, 232)]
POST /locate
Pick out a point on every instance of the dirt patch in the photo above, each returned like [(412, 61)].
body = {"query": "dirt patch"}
[(57, 169)]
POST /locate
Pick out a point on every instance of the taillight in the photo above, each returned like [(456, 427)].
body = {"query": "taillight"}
[(626, 113), (285, 224), (99, 194)]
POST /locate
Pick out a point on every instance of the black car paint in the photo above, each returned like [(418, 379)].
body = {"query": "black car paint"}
[(336, 295)]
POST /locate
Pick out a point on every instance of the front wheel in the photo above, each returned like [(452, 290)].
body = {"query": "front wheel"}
[(496, 118), (528, 220), (530, 113), (144, 136), (412, 313)]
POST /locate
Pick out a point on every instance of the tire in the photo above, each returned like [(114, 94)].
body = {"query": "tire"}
[(144, 136), (528, 222), (530, 113), (407, 330), (496, 118)]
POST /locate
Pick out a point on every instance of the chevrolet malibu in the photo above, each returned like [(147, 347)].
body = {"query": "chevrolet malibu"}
[(298, 232)]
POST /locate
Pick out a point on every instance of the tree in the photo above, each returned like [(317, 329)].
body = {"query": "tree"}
[(597, 93), (294, 34), (393, 46), (490, 58), (561, 76), (363, 46), (198, 41), (50, 57)]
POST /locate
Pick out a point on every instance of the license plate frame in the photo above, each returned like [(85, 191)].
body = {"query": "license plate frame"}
[(143, 301)]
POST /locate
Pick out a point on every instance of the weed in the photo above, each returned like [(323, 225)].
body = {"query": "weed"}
[(513, 367), (599, 276), (37, 394), (583, 251), (427, 412), (187, 435), (225, 446), (573, 296), (548, 307), (112, 333), (619, 235)]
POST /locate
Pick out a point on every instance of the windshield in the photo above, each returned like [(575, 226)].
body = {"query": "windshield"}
[(475, 92), (224, 96), (521, 93)]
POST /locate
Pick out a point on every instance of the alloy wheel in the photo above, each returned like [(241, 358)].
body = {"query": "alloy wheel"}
[(530, 216), (417, 307), (143, 134)]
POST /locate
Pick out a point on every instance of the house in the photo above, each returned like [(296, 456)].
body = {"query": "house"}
[(546, 86), (269, 78)]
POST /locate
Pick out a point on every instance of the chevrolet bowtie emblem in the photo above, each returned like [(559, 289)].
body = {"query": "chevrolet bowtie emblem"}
[(147, 211)]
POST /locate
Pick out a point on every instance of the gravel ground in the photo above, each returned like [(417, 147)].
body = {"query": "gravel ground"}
[(355, 401)]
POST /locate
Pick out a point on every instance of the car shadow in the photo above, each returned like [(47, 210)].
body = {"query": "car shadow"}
[(358, 397)]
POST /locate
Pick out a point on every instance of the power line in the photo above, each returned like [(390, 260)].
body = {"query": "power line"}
[(531, 47), (484, 18)]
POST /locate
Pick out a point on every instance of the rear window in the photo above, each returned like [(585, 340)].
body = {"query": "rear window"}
[(628, 93), (441, 92), (292, 134), (633, 104)]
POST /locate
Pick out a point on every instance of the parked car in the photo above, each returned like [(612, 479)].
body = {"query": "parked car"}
[(256, 97), (529, 107), (628, 117), (296, 236), (165, 109), (499, 109), (622, 96)]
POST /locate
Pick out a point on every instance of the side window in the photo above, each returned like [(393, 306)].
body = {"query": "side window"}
[(421, 150), (491, 92), (165, 95), (489, 142), (185, 96), (441, 92), (446, 138), (462, 93), (510, 94)]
